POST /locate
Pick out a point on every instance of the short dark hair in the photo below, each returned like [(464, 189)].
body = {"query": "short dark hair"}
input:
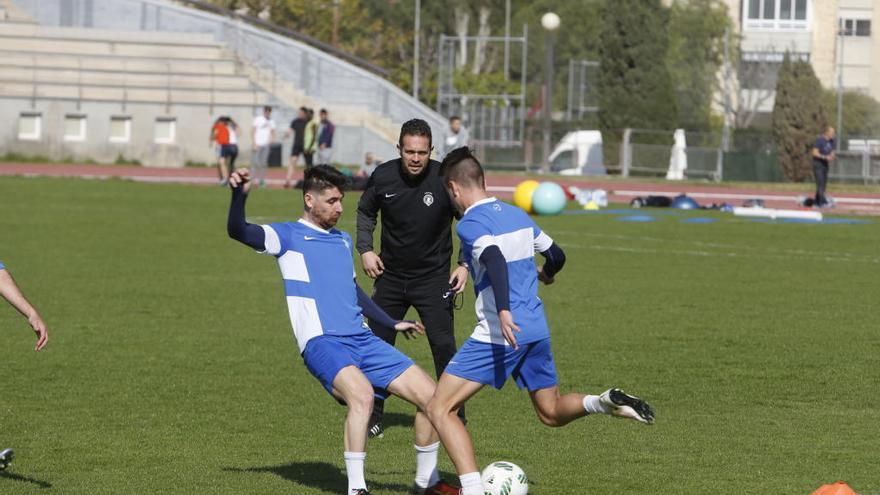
[(322, 177), (415, 127), (461, 166), (323, 110), (454, 118), (267, 108)]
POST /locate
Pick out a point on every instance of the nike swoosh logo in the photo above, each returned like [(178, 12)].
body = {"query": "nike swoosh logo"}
[(308, 238), (390, 195)]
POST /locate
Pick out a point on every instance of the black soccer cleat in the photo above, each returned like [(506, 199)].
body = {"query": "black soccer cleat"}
[(376, 430), (362, 491), (6, 457), (627, 406)]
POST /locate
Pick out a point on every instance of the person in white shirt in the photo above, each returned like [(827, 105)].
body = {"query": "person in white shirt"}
[(456, 135), (262, 137)]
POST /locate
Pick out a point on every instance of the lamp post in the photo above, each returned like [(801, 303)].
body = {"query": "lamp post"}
[(418, 29), (841, 35), (550, 22)]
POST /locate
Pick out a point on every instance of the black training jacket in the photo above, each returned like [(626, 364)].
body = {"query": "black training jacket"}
[(416, 218)]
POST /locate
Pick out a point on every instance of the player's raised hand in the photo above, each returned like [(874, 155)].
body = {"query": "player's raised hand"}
[(40, 329), (508, 327), (241, 178), (410, 328), (373, 265), (543, 276)]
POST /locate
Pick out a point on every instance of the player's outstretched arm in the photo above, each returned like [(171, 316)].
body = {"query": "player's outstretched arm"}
[(236, 225), (496, 269), (10, 291), (554, 260), (372, 311)]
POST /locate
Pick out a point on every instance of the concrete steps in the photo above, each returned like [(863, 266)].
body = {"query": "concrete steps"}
[(227, 66), (139, 94), (14, 73)]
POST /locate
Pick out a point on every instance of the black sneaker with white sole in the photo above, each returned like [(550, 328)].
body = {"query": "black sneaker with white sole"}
[(6, 458), (376, 430), (360, 492), (627, 406)]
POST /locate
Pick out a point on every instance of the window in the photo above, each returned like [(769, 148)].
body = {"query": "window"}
[(856, 27), (30, 126), (74, 127), (165, 130), (120, 129), (775, 14)]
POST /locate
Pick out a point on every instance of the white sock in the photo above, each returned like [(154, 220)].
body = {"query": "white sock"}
[(471, 484), (426, 465), (595, 406), (354, 467)]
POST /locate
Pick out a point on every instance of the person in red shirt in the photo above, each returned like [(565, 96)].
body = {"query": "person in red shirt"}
[(219, 139)]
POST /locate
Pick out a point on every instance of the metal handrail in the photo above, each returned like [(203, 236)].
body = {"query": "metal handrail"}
[(289, 33)]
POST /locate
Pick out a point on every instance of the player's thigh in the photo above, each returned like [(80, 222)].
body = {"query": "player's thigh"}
[(452, 392), (352, 386), (433, 302), (414, 386)]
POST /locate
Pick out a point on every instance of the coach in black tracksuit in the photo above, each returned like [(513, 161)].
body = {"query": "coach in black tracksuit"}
[(413, 268)]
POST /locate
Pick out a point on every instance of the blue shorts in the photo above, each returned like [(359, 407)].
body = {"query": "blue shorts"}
[(531, 365), (380, 362)]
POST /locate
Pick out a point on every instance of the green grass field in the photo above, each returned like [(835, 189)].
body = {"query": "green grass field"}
[(171, 367)]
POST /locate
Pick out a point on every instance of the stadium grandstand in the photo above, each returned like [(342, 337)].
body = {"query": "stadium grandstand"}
[(143, 80)]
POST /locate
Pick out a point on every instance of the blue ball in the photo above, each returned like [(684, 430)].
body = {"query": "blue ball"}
[(683, 202), (548, 199)]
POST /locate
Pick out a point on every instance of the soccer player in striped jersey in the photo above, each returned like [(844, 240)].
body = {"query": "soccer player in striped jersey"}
[(511, 337), (10, 291), (327, 310)]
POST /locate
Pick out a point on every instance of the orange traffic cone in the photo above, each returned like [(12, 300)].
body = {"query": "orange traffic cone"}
[(837, 488)]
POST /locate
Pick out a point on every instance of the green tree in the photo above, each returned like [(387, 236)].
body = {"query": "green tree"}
[(861, 114), (635, 88), (798, 116), (695, 55)]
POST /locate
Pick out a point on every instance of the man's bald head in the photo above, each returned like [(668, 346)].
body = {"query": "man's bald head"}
[(463, 168)]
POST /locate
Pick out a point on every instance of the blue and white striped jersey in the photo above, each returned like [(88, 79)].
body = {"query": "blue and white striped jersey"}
[(318, 271), (2, 266), (490, 222)]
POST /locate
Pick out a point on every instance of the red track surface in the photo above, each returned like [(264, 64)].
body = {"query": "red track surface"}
[(619, 191)]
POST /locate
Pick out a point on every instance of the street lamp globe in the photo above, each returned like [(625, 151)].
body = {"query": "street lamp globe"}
[(550, 21)]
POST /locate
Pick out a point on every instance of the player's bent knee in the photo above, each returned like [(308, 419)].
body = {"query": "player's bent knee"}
[(361, 402)]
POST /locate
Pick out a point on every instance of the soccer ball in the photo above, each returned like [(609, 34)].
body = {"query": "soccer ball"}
[(504, 478)]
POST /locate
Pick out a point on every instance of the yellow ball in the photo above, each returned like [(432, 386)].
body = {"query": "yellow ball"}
[(522, 196), (591, 206)]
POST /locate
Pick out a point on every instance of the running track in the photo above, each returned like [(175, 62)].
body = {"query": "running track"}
[(619, 191)]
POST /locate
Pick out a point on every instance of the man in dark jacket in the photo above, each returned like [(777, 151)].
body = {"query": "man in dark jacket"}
[(413, 266)]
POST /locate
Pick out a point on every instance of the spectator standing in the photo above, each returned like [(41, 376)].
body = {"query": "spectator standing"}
[(310, 138), (262, 137), (823, 152), (456, 135), (229, 151), (220, 138), (298, 130), (326, 129)]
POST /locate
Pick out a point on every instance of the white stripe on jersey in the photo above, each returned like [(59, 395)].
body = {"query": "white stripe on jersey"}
[(305, 319), (543, 242), (515, 246), (273, 243), (293, 267)]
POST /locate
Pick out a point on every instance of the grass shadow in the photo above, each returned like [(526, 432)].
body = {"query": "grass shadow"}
[(321, 475), (5, 475)]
